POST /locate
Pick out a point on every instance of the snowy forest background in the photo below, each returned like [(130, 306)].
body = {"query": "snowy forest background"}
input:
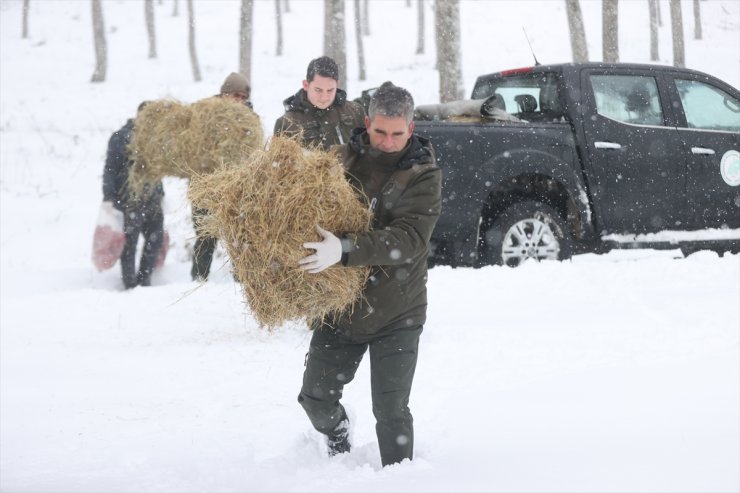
[(617, 372)]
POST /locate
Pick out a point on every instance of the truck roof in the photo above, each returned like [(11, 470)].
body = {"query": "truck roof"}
[(562, 67)]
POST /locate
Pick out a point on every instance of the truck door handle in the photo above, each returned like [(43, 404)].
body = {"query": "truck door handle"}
[(702, 150), (607, 145)]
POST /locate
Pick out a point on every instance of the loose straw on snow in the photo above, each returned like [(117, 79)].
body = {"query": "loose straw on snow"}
[(264, 210), (174, 139)]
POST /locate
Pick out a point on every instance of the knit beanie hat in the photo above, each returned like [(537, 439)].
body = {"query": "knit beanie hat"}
[(236, 84)]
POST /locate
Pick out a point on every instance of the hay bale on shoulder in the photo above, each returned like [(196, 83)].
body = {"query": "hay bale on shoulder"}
[(264, 210), (155, 144), (221, 131), (174, 139)]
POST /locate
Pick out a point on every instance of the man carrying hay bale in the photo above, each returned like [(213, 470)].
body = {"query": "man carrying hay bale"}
[(396, 172), (319, 113), (142, 214), (235, 88), (263, 210)]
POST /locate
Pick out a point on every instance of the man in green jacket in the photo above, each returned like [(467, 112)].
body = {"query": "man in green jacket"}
[(319, 113), (396, 172)]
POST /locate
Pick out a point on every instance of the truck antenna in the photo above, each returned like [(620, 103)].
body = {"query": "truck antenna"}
[(536, 63)]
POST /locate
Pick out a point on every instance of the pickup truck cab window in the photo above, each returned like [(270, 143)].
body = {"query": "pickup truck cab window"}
[(533, 96), (628, 98), (708, 107)]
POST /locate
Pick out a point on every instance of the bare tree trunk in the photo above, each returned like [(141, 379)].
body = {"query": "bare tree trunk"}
[(448, 50), (101, 49), (437, 30), (653, 7), (175, 8), (335, 44), (697, 20), (279, 19), (150, 31), (577, 33), (420, 38), (246, 19), (660, 15), (26, 6), (191, 42), (358, 38), (610, 30), (366, 18), (679, 57), (327, 25)]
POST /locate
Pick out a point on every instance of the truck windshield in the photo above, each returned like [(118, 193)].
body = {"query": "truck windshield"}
[(530, 96)]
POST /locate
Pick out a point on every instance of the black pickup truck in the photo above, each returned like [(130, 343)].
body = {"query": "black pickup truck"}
[(572, 158)]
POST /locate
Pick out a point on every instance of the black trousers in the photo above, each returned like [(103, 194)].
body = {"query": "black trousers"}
[(332, 362), (202, 250), (149, 222)]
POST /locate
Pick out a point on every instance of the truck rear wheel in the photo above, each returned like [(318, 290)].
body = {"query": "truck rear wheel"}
[(527, 230)]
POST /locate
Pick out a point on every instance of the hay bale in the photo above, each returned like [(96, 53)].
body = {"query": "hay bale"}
[(173, 139), (159, 128), (264, 210), (221, 132)]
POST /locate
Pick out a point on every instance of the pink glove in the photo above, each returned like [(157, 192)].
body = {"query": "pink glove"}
[(328, 252)]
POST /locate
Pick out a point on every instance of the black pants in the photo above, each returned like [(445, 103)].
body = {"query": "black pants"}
[(149, 222), (203, 249), (332, 362)]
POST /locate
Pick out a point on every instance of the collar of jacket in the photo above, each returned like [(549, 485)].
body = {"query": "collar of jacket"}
[(299, 101), (419, 149)]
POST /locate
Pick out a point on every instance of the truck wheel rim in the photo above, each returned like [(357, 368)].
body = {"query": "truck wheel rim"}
[(530, 238)]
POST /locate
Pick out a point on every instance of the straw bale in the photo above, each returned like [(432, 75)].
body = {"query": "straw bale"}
[(264, 210), (159, 128), (173, 139), (221, 131)]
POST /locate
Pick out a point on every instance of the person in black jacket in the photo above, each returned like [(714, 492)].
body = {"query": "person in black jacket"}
[(141, 215)]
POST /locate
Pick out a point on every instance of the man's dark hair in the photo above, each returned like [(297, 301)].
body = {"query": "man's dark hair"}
[(324, 66), (391, 101)]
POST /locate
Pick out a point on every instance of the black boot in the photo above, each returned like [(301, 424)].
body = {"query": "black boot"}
[(338, 439)]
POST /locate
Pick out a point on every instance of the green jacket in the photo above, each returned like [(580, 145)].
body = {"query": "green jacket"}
[(404, 191), (325, 128)]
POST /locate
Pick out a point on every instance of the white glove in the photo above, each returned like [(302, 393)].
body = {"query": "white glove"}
[(328, 252)]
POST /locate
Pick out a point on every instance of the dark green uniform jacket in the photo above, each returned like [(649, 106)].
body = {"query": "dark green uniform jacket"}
[(324, 128), (404, 191)]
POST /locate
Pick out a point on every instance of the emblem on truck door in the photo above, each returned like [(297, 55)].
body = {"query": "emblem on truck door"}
[(729, 166)]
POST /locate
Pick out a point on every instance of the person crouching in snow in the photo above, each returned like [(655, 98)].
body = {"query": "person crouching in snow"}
[(141, 215)]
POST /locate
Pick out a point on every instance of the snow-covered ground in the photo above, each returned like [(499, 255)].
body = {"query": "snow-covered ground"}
[(618, 372)]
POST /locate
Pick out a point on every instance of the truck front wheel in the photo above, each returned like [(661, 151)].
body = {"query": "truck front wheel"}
[(527, 230)]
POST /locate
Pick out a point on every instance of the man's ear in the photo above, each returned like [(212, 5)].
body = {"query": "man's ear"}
[(305, 85), (411, 127), (367, 121)]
